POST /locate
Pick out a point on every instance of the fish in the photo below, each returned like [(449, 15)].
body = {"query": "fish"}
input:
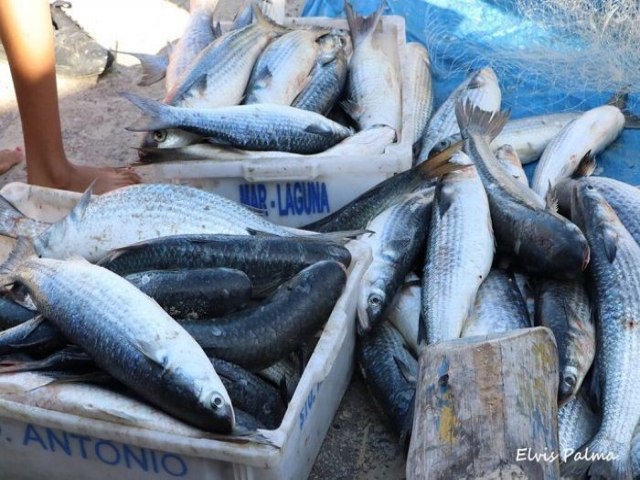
[(418, 65), (622, 197), (195, 293), (218, 75), (126, 333), (283, 68), (141, 212), (254, 127), (285, 374), (327, 78), (390, 373), (592, 132), (170, 138), (525, 285), (32, 335), (360, 211), (577, 424), (480, 89), (564, 307), (267, 261), (12, 313), (258, 337), (397, 240), (509, 160), (529, 136), (460, 249), (540, 239), (69, 359), (404, 313), (635, 453), (374, 86), (251, 393), (614, 275), (198, 33), (499, 306)]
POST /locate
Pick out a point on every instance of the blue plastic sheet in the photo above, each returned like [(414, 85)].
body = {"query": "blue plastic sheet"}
[(457, 33)]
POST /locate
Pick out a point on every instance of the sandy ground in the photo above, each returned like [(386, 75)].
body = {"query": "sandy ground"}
[(359, 444)]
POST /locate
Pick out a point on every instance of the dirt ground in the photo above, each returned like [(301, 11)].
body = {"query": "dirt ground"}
[(359, 445)]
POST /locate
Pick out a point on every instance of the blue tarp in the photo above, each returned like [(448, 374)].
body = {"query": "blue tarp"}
[(457, 32)]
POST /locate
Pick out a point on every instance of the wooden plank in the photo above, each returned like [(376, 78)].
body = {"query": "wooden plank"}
[(484, 405)]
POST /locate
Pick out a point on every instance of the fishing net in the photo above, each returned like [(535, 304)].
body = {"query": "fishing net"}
[(550, 55)]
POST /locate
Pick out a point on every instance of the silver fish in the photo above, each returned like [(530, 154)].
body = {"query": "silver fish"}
[(615, 274), (398, 238), (498, 307), (283, 68), (404, 313), (97, 225), (529, 136), (563, 306), (508, 158), (418, 64), (197, 35), (127, 334), (592, 132), (255, 127), (481, 90), (372, 141), (460, 251), (327, 78), (218, 76), (374, 89), (539, 238)]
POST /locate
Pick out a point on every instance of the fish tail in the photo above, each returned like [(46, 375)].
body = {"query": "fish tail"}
[(361, 27), (154, 114), (473, 120), (601, 458), (154, 67), (10, 217), (265, 21), (441, 164)]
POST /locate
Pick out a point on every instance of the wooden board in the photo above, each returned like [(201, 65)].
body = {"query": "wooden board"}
[(484, 406)]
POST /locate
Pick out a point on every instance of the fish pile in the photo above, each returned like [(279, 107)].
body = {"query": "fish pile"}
[(163, 307), (463, 246), (261, 88)]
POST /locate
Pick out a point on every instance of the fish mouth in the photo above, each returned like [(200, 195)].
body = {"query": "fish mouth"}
[(224, 419)]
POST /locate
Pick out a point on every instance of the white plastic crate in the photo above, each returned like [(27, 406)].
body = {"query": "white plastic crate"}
[(297, 191), (36, 443)]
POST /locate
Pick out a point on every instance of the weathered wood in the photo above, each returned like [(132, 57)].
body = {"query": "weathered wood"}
[(484, 405)]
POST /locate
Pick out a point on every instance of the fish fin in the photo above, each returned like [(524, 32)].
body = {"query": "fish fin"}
[(22, 250), (263, 212), (265, 21), (341, 236), (361, 28), (9, 217), (586, 167), (352, 109), (440, 164), (216, 30), (152, 114), (77, 212), (283, 390), (551, 199), (619, 99), (600, 458), (473, 120), (62, 377), (154, 67), (151, 351), (112, 415), (631, 120), (444, 200), (610, 240), (409, 372), (319, 129)]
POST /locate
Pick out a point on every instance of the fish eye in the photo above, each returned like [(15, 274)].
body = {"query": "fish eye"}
[(217, 401), (590, 187), (375, 300), (160, 135)]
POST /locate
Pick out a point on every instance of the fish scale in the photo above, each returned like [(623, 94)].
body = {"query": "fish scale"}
[(419, 68), (128, 335), (142, 212), (615, 275)]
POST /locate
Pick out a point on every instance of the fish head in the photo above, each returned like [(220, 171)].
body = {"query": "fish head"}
[(214, 411), (568, 384), (50, 242), (371, 305), (169, 138)]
